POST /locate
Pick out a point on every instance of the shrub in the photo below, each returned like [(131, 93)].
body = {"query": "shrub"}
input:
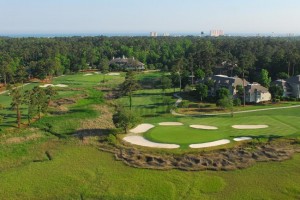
[(237, 102), (111, 138), (184, 104), (125, 119)]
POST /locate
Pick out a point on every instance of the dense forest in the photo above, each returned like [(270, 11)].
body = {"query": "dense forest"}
[(21, 58)]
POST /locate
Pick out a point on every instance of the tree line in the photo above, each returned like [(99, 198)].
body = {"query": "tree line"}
[(21, 58)]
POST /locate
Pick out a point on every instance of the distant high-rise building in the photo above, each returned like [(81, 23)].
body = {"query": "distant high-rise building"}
[(166, 34), (216, 33), (153, 34)]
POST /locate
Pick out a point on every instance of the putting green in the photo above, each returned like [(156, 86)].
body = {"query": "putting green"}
[(182, 135)]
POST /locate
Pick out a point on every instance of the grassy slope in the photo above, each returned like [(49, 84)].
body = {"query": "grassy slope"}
[(82, 170)]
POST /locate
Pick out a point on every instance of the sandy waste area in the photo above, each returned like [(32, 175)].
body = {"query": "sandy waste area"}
[(142, 128), (171, 124), (238, 139), (210, 144), (250, 126), (51, 85), (141, 141), (113, 74), (204, 127)]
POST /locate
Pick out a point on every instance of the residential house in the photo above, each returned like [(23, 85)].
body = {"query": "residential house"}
[(231, 83), (287, 89), (294, 83), (256, 93), (127, 64)]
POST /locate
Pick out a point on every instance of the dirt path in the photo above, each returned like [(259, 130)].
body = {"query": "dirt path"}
[(173, 112)]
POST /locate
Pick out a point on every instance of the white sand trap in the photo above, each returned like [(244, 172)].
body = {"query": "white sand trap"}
[(209, 144), (204, 127), (51, 85), (60, 85), (242, 139), (171, 124), (250, 126), (142, 128), (97, 72), (113, 74), (141, 141), (88, 74)]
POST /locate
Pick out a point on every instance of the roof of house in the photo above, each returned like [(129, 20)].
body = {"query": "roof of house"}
[(225, 80), (294, 79), (251, 88), (126, 61)]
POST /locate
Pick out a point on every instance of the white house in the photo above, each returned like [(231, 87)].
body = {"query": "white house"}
[(255, 93)]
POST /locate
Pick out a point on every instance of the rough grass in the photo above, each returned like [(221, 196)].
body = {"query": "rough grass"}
[(78, 171)]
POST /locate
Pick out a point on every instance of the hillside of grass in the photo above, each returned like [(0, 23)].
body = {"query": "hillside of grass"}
[(47, 161)]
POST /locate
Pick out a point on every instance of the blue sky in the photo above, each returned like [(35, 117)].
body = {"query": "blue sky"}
[(137, 16)]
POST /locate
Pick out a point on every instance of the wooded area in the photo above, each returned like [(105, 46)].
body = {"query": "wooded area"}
[(42, 57)]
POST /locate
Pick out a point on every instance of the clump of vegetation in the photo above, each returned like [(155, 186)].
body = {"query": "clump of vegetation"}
[(125, 119)]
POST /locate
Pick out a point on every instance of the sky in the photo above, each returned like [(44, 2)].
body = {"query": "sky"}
[(143, 16)]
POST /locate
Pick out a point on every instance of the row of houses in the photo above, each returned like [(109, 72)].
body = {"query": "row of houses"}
[(291, 86), (254, 92)]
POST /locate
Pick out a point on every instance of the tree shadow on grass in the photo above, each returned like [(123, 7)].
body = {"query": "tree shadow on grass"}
[(81, 134)]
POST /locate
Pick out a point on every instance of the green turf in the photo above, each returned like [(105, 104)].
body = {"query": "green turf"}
[(78, 171), (182, 135), (278, 127)]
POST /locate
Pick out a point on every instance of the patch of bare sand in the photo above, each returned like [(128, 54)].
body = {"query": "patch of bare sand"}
[(238, 139), (249, 126), (142, 128), (204, 127), (170, 124), (51, 85), (113, 74), (209, 144), (141, 141)]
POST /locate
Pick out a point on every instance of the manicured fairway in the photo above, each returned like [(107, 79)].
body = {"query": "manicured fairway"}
[(182, 135), (279, 126)]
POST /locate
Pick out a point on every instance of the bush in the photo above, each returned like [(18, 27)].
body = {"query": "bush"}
[(187, 88), (111, 138), (125, 119), (237, 102), (184, 104)]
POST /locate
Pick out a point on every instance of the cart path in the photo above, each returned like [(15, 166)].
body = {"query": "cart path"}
[(179, 100)]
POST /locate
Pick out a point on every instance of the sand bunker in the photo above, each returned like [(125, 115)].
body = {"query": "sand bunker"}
[(88, 74), (51, 85), (141, 141), (210, 144), (250, 126), (113, 74), (171, 124), (204, 127), (242, 139), (142, 128), (97, 72)]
